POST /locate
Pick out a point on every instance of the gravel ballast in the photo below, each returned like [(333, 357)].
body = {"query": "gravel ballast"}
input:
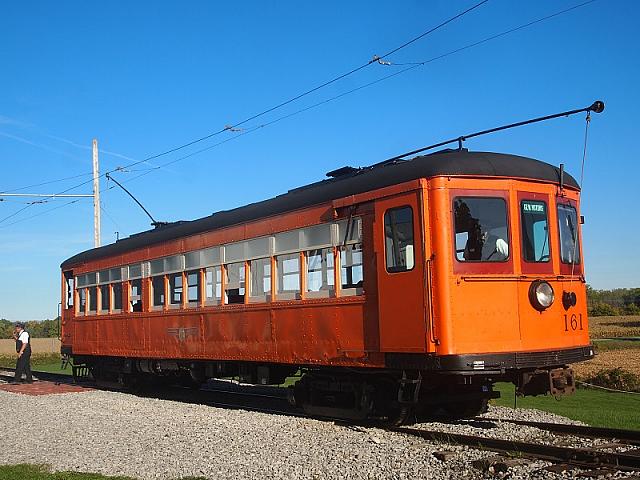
[(121, 434)]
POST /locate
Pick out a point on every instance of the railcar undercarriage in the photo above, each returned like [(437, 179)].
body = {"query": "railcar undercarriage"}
[(383, 396)]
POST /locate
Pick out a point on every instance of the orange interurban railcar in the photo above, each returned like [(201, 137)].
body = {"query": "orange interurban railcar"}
[(408, 287)]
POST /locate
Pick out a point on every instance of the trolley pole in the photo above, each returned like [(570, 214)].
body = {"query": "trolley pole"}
[(96, 196)]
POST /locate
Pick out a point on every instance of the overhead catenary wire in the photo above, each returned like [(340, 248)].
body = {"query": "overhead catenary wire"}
[(412, 66), (281, 104), (318, 87), (49, 182)]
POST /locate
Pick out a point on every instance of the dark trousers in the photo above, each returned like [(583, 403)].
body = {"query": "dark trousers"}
[(23, 365)]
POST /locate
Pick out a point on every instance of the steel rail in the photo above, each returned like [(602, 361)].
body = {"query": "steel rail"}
[(580, 457), (632, 437)]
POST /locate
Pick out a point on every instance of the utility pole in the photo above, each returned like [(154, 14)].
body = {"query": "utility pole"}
[(96, 196)]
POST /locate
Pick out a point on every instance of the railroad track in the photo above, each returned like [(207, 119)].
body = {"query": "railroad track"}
[(589, 458), (273, 400), (629, 437)]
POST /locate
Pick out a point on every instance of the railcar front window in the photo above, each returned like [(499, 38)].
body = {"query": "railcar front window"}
[(68, 277), (568, 227), (535, 231), (481, 229), (398, 231)]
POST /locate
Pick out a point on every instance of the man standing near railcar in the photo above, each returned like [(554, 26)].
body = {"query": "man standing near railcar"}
[(23, 350)]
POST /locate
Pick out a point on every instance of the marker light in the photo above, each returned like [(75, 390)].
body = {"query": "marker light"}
[(541, 295)]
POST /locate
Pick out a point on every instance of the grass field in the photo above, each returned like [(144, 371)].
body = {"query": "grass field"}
[(616, 353), (612, 327), (594, 407), (48, 362)]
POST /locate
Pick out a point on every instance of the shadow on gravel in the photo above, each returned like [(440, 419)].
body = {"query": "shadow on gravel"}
[(477, 423)]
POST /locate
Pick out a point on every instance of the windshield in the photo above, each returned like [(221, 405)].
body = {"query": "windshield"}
[(568, 227), (481, 229), (535, 231)]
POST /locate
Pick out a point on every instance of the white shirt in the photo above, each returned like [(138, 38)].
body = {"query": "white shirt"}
[(24, 337)]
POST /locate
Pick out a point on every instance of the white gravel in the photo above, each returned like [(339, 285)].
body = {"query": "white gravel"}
[(120, 434)]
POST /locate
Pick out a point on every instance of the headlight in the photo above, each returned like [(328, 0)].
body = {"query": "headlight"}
[(541, 295)]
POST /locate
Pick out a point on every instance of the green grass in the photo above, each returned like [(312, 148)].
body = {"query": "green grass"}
[(49, 362), (597, 408), (41, 472), (603, 345)]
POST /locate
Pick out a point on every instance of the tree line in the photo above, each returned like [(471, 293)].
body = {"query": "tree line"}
[(36, 328), (619, 301)]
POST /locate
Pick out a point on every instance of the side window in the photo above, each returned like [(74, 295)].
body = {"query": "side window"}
[(260, 280), (235, 287), (193, 286), (351, 269), (320, 280), (175, 289), (117, 296), (288, 278), (93, 299), (105, 298), (481, 229), (157, 285), (398, 232), (82, 300), (213, 285), (568, 227), (135, 295), (535, 231)]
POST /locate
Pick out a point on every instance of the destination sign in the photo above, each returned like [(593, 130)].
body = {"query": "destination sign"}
[(533, 207)]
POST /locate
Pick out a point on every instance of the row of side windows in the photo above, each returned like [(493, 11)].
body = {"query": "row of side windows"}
[(183, 281)]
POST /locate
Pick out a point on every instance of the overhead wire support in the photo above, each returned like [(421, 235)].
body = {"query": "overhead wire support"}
[(596, 107), (154, 222)]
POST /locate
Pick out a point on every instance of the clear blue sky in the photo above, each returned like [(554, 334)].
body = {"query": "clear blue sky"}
[(143, 77)]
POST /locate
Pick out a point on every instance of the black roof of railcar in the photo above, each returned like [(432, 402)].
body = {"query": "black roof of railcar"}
[(452, 162)]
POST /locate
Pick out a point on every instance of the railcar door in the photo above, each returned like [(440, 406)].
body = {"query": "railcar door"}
[(401, 283)]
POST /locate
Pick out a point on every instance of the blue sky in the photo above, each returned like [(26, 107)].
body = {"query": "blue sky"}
[(143, 77)]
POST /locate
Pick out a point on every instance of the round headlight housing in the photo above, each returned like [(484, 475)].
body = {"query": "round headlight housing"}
[(541, 295)]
